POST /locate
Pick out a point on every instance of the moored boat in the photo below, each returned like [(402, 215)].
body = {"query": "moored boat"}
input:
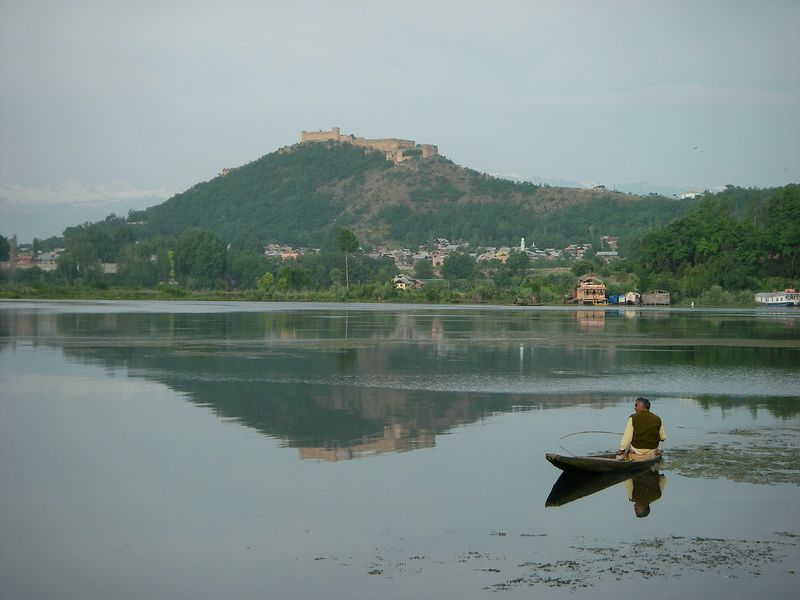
[(600, 463)]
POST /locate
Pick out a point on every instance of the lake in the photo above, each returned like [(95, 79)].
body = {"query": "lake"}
[(268, 450)]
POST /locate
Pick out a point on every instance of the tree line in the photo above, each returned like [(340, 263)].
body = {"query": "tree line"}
[(731, 241), (735, 242)]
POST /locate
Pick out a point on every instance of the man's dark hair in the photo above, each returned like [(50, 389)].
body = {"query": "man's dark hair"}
[(644, 401)]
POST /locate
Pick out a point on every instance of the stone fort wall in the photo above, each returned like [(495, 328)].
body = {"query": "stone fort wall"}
[(393, 147)]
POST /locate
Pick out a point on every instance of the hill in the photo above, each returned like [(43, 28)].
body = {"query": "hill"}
[(295, 195)]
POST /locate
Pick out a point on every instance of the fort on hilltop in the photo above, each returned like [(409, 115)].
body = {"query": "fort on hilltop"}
[(395, 149)]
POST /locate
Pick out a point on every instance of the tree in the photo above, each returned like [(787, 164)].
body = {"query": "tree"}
[(582, 267), (458, 266), (85, 254), (348, 243), (293, 277), (5, 248), (66, 267), (266, 281), (517, 262), (782, 234), (423, 269), (246, 267), (200, 256)]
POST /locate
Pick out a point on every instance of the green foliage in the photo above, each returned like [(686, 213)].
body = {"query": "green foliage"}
[(782, 232), (517, 262), (246, 269), (459, 266), (199, 258), (582, 267), (66, 268), (280, 197), (348, 243), (440, 189), (171, 291), (496, 223), (423, 269), (500, 188), (100, 242), (145, 264), (711, 246), (265, 281), (4, 248), (293, 277)]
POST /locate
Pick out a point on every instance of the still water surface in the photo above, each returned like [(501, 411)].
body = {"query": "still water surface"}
[(200, 450)]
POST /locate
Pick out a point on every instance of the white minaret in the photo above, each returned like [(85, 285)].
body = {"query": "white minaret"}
[(522, 244)]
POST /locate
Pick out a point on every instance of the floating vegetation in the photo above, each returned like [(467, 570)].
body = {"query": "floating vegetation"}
[(585, 564), (768, 455), (670, 556)]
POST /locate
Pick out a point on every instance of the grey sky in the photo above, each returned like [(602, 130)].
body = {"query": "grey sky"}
[(158, 95)]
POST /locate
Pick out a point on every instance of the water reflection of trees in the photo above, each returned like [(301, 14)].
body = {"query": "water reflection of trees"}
[(784, 408), (331, 383)]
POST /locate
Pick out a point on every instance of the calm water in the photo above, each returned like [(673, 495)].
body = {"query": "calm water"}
[(199, 450)]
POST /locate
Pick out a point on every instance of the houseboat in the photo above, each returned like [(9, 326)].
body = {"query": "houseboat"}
[(656, 297), (589, 290), (788, 297)]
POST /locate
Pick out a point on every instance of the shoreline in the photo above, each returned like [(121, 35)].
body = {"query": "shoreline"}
[(332, 297)]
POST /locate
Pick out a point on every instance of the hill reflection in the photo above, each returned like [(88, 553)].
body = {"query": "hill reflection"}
[(344, 384)]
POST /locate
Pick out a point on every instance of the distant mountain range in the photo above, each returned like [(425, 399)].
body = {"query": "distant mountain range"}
[(41, 213)]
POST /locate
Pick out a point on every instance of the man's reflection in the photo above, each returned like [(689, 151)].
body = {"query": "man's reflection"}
[(644, 489)]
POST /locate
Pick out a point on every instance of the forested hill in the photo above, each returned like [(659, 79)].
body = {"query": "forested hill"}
[(296, 195)]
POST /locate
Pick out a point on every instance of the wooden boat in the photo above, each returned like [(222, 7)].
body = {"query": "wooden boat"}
[(600, 463)]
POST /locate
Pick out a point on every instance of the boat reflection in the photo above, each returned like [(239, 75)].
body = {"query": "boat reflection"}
[(642, 488)]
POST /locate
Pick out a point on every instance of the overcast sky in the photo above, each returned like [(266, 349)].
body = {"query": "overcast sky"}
[(147, 98)]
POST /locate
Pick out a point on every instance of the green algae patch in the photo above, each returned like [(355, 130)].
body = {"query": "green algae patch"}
[(764, 456)]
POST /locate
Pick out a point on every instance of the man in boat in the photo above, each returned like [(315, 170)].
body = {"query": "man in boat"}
[(642, 434)]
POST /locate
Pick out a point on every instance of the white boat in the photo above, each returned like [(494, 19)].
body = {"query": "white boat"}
[(788, 297)]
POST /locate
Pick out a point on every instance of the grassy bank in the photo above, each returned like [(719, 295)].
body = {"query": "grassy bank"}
[(714, 297)]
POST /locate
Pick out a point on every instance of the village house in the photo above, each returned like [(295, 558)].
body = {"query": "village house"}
[(443, 245), (487, 254), (577, 251), (289, 254), (437, 258), (285, 252), (609, 241), (502, 254), (607, 256), (403, 259), (404, 282)]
